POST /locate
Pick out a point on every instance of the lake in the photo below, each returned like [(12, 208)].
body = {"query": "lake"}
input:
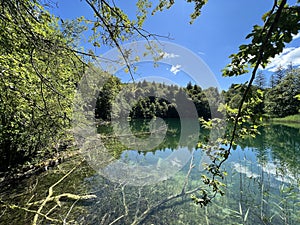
[(133, 186)]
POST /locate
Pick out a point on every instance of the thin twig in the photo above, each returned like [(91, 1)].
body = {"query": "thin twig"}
[(125, 206), (72, 206), (138, 204), (257, 64), (188, 174), (111, 34), (116, 220), (104, 218), (146, 213)]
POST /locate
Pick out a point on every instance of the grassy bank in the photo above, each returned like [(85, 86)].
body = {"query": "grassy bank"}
[(291, 121), (288, 119)]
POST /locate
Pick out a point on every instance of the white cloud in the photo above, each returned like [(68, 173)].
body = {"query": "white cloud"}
[(288, 56), (175, 69), (167, 55), (296, 36)]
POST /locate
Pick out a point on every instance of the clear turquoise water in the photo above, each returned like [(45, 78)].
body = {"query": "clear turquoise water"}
[(262, 186)]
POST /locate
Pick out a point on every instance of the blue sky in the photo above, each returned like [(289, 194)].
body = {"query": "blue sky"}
[(215, 35)]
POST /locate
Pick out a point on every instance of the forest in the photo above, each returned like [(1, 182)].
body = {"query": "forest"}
[(274, 99)]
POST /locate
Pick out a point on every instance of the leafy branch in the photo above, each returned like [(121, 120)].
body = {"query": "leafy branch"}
[(262, 57), (267, 41)]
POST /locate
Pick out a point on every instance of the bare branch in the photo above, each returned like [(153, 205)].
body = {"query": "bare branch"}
[(50, 193), (12, 206), (188, 174), (65, 219), (183, 193)]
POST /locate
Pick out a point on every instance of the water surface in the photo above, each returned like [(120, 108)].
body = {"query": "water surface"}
[(262, 185)]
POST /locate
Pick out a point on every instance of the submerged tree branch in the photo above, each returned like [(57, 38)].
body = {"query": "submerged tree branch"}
[(13, 206), (125, 206), (57, 198), (183, 193), (66, 196)]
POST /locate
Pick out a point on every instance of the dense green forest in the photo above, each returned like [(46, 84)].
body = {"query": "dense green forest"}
[(275, 100), (142, 101)]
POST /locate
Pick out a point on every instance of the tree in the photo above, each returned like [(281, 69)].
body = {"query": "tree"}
[(279, 74), (272, 81), (38, 79), (106, 96), (260, 80), (281, 100), (254, 101), (189, 86)]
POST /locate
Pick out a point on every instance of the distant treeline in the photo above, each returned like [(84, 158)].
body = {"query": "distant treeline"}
[(150, 99)]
